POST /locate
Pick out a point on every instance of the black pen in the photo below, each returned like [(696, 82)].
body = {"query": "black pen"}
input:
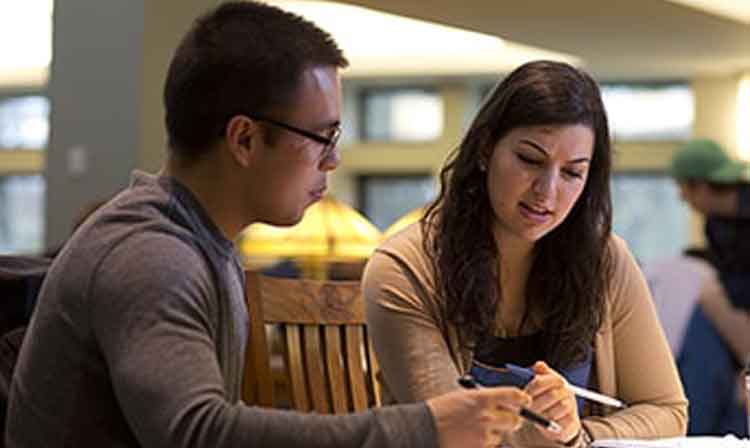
[(468, 382)]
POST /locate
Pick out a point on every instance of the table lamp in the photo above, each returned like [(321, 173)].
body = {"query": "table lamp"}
[(329, 231)]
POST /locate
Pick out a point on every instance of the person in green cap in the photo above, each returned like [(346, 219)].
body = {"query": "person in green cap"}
[(717, 187), (710, 181)]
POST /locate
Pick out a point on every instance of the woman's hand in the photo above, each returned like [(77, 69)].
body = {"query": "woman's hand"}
[(551, 397)]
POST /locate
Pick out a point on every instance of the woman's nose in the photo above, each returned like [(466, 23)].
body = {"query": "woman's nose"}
[(545, 183)]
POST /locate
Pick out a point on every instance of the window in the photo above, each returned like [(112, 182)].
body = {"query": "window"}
[(24, 129), (477, 93), (649, 215), (649, 112), (385, 198), (21, 214), (26, 46), (24, 122), (484, 91), (400, 114)]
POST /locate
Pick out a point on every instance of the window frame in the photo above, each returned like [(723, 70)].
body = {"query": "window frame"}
[(27, 161), (656, 172), (365, 91), (361, 180), (646, 84)]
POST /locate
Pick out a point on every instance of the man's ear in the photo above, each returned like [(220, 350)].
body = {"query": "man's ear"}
[(241, 133)]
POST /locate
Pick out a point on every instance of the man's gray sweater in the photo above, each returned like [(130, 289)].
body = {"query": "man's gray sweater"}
[(138, 339)]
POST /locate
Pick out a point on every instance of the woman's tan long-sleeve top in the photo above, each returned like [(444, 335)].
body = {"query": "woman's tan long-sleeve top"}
[(420, 356)]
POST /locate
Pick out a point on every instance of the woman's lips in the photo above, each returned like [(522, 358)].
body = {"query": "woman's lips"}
[(535, 214)]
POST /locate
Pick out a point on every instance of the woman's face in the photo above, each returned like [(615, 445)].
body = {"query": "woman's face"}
[(534, 177)]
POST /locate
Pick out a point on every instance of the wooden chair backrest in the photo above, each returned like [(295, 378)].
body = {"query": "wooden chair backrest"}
[(329, 362)]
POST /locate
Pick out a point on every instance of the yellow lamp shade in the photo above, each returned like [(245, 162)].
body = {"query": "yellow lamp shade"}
[(329, 230), (409, 218)]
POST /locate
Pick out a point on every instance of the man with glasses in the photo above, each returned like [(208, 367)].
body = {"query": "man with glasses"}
[(329, 141), (140, 329)]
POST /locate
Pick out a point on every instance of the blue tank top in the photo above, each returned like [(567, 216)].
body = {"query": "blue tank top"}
[(492, 353)]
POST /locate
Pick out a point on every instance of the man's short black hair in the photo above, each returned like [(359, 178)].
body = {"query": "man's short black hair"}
[(239, 58)]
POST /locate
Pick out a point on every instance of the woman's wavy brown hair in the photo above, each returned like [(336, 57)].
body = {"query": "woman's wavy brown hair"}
[(568, 280)]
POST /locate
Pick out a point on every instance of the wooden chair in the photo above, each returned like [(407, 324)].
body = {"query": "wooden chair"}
[(329, 363)]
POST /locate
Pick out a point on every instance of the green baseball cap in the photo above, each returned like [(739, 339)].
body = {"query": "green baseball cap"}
[(734, 172), (698, 160)]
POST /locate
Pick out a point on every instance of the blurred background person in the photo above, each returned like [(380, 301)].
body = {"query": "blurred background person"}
[(703, 301)]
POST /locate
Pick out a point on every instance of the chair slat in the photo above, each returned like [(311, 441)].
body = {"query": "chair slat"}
[(354, 341), (335, 369), (315, 370), (295, 367), (328, 361), (257, 376), (372, 369)]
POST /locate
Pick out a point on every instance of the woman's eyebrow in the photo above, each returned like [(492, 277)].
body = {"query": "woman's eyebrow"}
[(541, 149), (535, 145)]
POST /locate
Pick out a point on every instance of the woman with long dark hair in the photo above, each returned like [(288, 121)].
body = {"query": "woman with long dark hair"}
[(515, 262)]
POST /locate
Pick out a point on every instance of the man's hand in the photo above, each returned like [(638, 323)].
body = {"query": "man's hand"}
[(477, 418)]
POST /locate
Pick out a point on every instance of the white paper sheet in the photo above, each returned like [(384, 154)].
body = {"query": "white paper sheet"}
[(683, 442)]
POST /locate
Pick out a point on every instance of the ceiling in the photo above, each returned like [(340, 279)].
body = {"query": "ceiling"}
[(615, 39)]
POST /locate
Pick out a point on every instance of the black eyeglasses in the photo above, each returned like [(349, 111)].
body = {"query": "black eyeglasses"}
[(328, 142)]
